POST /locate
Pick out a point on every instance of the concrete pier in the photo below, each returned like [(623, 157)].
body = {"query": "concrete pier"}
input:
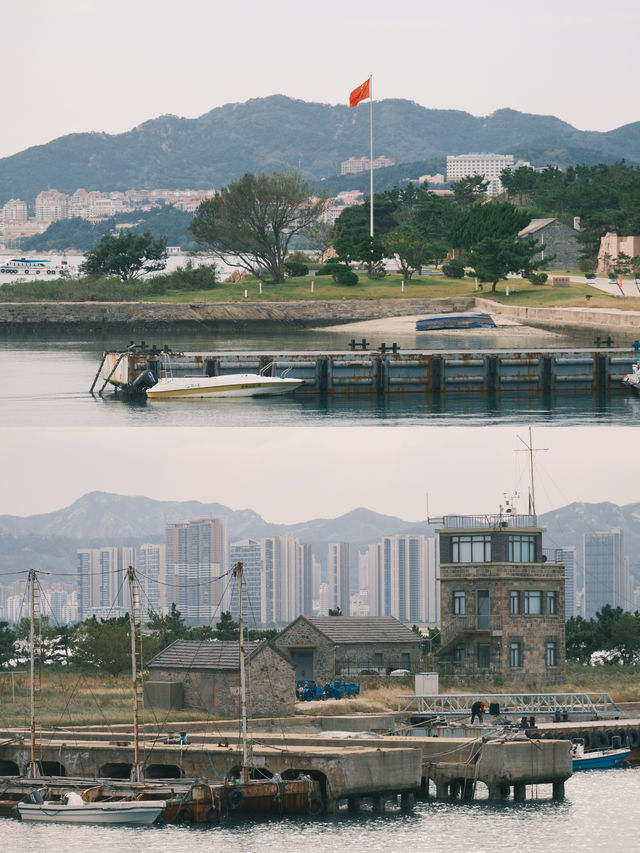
[(427, 372)]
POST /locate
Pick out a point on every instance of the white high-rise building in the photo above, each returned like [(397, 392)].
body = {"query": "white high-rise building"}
[(288, 567), (103, 589), (402, 578), (489, 166), (197, 560), (338, 576), (254, 601), (151, 571)]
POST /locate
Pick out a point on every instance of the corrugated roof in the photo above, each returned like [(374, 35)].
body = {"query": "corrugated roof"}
[(364, 629), (207, 654), (535, 225)]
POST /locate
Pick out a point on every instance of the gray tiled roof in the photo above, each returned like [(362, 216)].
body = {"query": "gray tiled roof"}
[(364, 629), (205, 654), (535, 225)]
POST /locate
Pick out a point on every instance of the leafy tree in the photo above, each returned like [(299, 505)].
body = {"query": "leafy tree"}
[(495, 257), (226, 627), (7, 639), (344, 249), (433, 216), (579, 639), (336, 612), (167, 628), (495, 219), (103, 645), (251, 222), (410, 249), (470, 190), (319, 235), (454, 268), (127, 255), (371, 252), (625, 637)]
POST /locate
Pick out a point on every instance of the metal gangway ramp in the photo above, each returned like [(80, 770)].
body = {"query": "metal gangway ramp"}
[(588, 705)]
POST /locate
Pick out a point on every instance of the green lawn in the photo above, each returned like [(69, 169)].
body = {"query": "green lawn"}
[(297, 289)]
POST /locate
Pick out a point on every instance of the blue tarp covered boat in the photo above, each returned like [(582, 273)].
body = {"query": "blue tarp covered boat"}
[(455, 321)]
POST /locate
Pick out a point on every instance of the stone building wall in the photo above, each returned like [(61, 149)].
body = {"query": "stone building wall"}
[(270, 687), (559, 240), (300, 634)]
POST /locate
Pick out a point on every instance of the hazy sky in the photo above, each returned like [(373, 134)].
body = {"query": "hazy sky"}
[(108, 65), (295, 474)]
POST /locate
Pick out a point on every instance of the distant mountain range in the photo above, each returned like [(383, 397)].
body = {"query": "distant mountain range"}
[(265, 134), (49, 541)]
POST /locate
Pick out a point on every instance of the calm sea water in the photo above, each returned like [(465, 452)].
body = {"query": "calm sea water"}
[(599, 813), (47, 382)]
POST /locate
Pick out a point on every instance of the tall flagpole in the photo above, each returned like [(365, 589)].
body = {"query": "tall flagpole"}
[(371, 153)]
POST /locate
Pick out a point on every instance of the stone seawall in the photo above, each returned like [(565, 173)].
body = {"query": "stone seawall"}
[(598, 319), (15, 315)]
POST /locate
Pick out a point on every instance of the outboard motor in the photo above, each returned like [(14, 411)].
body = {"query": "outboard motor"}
[(140, 384)]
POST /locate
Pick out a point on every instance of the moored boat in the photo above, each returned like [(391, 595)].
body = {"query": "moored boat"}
[(74, 809), (231, 385), (632, 380), (455, 321), (597, 759)]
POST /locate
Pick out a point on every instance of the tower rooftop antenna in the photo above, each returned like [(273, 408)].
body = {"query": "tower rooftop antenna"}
[(530, 449)]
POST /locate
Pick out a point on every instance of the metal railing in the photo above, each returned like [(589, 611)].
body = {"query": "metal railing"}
[(458, 625), (513, 704), (461, 522)]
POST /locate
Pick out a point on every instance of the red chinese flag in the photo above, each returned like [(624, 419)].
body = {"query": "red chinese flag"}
[(361, 93)]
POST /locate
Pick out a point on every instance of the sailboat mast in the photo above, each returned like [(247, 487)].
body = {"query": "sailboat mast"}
[(237, 570), (32, 678), (136, 772)]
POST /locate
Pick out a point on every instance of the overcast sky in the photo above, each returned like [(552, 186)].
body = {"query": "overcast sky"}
[(295, 474), (108, 65)]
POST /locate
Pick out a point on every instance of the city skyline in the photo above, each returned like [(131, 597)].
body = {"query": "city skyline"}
[(480, 60)]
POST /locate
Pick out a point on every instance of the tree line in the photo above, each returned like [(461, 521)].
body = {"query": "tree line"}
[(613, 636), (105, 644)]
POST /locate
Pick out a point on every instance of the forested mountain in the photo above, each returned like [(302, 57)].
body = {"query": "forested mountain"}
[(265, 134)]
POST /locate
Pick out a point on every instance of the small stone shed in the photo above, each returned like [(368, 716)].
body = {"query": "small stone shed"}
[(325, 646), (558, 239), (209, 672)]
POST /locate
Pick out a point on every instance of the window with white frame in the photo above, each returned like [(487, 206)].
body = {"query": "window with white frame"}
[(514, 602), (515, 655), (552, 654), (552, 602)]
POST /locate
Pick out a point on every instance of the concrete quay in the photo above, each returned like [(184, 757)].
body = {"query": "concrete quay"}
[(351, 769)]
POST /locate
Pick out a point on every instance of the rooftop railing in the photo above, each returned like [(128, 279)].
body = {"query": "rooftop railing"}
[(468, 522)]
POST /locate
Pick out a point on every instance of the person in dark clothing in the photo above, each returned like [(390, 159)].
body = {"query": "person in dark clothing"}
[(477, 710)]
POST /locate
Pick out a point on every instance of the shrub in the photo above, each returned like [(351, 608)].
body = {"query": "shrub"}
[(377, 272), (343, 275), (329, 267), (295, 269), (538, 277), (454, 268), (589, 275)]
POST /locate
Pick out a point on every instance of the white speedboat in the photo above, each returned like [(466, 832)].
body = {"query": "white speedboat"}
[(73, 809), (231, 385)]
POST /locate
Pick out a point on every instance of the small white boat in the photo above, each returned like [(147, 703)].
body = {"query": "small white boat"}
[(73, 809), (231, 385)]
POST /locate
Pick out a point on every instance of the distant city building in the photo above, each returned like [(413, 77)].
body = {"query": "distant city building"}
[(15, 209), (338, 576), (288, 567), (489, 166), (354, 165), (606, 573), (103, 590), (402, 578), (151, 572), (567, 556), (438, 178), (197, 559), (249, 553)]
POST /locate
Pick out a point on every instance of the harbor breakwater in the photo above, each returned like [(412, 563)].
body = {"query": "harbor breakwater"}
[(28, 317)]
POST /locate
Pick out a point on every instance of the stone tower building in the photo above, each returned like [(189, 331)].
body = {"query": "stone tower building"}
[(501, 602)]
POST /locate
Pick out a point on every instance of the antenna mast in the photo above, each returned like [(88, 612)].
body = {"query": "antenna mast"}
[(136, 771), (531, 450), (237, 570)]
